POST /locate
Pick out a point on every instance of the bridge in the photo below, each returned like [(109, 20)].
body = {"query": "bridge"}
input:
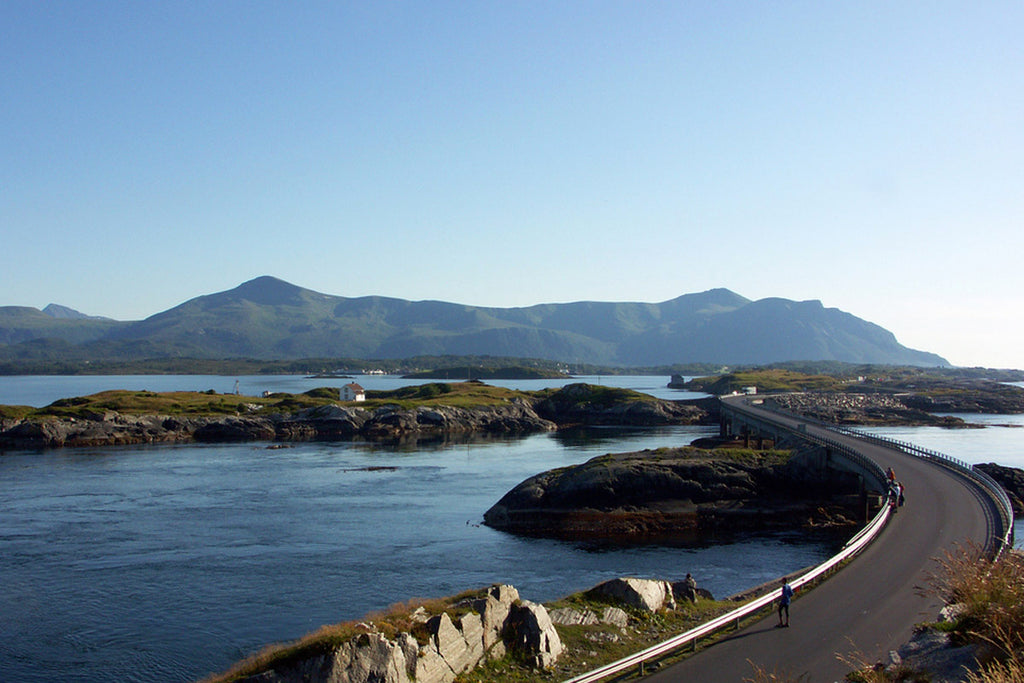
[(872, 605)]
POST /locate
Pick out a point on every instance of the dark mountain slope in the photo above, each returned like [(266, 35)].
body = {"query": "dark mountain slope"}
[(268, 318), (23, 323)]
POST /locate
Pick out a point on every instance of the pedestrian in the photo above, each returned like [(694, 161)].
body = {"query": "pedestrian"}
[(899, 494), (894, 497), (784, 599), (690, 588), (890, 474)]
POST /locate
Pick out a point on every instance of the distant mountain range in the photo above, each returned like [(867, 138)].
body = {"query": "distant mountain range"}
[(267, 318)]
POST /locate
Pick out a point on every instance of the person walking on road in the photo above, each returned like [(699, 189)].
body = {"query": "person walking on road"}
[(895, 493), (784, 599)]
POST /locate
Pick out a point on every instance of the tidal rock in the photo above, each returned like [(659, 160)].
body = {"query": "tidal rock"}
[(647, 594), (532, 636)]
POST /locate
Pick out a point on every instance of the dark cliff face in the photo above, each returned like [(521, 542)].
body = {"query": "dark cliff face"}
[(672, 493)]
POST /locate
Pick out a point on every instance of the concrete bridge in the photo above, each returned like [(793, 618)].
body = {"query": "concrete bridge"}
[(871, 605)]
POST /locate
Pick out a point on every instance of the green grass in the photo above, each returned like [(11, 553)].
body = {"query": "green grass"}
[(210, 403), (594, 395), (458, 394), (179, 403)]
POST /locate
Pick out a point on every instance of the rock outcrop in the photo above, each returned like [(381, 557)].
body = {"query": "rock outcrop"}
[(649, 595), (675, 493), (596, 405), (496, 624), (1012, 481)]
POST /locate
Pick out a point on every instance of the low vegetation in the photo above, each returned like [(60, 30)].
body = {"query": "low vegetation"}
[(456, 394), (180, 403), (593, 395), (991, 598)]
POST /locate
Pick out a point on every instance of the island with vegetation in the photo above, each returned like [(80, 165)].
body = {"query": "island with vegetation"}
[(132, 417), (675, 494)]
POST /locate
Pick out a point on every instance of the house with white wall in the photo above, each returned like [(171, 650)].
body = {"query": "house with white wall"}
[(353, 392)]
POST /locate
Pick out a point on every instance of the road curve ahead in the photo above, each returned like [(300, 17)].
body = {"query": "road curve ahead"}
[(869, 607)]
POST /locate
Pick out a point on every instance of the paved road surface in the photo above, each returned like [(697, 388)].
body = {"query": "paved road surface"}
[(869, 607)]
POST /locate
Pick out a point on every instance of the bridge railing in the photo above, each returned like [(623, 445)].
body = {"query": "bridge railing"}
[(1002, 541), (1006, 519)]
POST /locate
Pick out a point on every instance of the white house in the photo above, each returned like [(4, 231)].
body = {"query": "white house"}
[(353, 392)]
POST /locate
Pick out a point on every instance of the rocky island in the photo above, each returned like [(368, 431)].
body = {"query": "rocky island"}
[(429, 410), (685, 493)]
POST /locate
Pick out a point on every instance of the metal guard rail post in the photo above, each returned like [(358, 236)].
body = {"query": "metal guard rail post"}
[(855, 545)]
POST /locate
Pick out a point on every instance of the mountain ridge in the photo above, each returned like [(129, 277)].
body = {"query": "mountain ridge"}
[(269, 318)]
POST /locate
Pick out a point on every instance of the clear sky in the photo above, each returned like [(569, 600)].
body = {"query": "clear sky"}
[(867, 154)]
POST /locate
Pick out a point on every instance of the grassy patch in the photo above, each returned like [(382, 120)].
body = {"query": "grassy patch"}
[(771, 380), (210, 403), (15, 412), (183, 403), (459, 395)]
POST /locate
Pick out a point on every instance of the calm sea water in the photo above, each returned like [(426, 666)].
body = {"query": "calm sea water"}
[(166, 563)]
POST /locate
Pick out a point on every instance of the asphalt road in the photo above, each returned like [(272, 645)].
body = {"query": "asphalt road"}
[(869, 607)]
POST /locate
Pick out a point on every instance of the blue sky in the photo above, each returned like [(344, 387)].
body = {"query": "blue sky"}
[(866, 154)]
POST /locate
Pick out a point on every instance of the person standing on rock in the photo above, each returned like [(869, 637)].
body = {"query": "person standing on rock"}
[(690, 588), (784, 599)]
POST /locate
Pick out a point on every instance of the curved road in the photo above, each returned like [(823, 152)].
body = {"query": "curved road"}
[(869, 607)]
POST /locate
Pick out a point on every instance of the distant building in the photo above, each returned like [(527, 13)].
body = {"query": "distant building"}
[(353, 392)]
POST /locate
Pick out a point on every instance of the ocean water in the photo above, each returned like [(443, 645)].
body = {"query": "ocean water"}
[(166, 563)]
